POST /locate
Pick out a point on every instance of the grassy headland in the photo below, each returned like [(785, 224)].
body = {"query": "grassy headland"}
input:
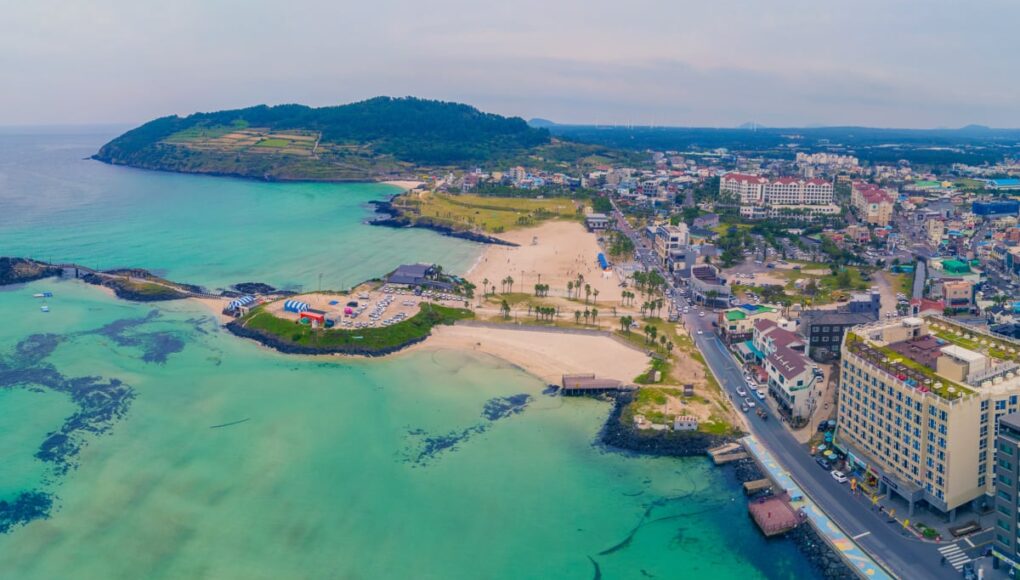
[(292, 337)]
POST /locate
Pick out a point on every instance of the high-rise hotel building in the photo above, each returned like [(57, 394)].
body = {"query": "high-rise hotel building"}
[(919, 404)]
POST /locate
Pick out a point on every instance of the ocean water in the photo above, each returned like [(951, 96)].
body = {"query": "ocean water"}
[(141, 441), (58, 206)]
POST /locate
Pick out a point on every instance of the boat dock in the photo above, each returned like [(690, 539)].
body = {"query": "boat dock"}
[(727, 453), (775, 515), (753, 487)]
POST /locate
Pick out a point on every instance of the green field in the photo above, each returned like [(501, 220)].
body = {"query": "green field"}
[(491, 214)]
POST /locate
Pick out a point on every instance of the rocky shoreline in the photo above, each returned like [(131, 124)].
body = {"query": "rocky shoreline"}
[(395, 219), (22, 270), (618, 435), (274, 342)]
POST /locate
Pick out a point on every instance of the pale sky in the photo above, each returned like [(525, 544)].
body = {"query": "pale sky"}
[(924, 63)]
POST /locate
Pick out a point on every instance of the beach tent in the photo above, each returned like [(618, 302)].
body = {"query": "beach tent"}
[(295, 306), (242, 301), (603, 262)]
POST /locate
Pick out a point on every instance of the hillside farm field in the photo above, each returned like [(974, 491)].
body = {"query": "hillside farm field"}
[(232, 139), (491, 214)]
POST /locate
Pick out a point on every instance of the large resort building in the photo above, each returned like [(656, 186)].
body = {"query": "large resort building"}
[(919, 404), (783, 197)]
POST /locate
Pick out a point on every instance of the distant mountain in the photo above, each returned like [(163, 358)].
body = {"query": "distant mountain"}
[(540, 123), (379, 138)]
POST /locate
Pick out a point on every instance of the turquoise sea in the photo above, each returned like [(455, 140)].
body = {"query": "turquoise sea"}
[(140, 441)]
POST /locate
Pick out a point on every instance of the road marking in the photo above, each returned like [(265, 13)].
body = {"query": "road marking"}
[(860, 535), (970, 543), (955, 556)]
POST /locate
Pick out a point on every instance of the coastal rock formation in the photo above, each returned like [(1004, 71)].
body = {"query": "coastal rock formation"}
[(623, 435), (20, 270)]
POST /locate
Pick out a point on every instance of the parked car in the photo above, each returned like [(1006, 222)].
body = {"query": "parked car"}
[(741, 392), (839, 476), (760, 393), (748, 402), (824, 463)]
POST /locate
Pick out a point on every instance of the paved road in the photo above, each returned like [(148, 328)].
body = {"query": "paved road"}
[(900, 551)]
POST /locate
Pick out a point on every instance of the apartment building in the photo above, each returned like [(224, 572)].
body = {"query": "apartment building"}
[(919, 404), (1007, 491), (874, 205), (670, 240)]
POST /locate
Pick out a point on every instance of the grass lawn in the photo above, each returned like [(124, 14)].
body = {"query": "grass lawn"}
[(492, 214), (367, 339), (900, 282)]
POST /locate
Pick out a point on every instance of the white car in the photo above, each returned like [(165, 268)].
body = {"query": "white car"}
[(748, 402), (741, 392), (702, 313), (700, 332), (839, 476)]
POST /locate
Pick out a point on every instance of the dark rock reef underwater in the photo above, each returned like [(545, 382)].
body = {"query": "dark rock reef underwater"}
[(99, 402)]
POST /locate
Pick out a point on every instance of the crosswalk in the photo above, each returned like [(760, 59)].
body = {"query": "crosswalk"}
[(955, 556)]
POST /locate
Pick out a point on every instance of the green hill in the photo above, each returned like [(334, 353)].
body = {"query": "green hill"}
[(380, 138)]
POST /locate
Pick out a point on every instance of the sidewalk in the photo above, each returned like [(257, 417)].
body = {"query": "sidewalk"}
[(843, 544)]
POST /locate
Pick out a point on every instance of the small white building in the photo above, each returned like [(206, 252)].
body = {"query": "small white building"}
[(685, 423)]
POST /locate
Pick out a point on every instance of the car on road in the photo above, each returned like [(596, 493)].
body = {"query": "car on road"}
[(700, 332), (748, 402), (824, 463), (760, 393), (741, 391), (702, 313), (839, 476)]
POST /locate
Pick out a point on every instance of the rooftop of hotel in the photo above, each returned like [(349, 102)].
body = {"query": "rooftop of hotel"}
[(915, 360)]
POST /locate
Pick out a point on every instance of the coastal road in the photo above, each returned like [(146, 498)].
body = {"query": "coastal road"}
[(897, 549)]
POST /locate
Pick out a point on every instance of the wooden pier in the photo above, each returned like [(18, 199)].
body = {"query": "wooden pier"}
[(752, 487), (774, 515), (589, 384)]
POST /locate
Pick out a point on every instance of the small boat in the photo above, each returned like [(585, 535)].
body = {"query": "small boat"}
[(43, 295), (44, 308)]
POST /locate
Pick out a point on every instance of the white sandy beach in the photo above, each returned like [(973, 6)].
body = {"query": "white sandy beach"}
[(553, 253), (547, 355), (406, 185)]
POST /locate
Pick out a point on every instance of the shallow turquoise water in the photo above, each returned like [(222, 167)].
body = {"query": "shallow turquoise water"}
[(212, 231), (330, 474), (225, 460)]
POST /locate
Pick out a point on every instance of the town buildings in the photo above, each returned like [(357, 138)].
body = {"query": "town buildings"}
[(918, 406), (707, 287)]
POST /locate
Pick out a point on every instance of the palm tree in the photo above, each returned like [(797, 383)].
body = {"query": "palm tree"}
[(624, 324), (577, 317), (510, 281), (570, 288), (595, 293), (485, 286), (505, 309), (652, 331), (594, 315), (662, 341), (587, 315), (669, 346), (587, 292)]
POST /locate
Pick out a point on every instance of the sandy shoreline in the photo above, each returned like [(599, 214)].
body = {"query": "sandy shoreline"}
[(404, 184), (546, 355)]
